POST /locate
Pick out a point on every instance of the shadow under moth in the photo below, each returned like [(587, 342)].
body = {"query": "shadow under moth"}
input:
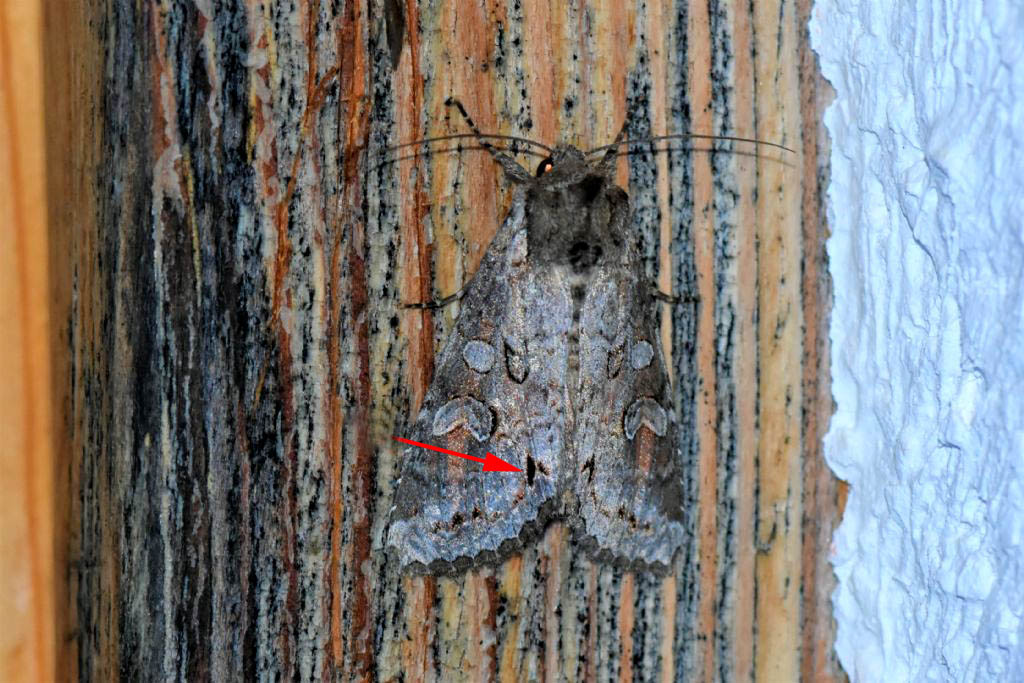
[(555, 366)]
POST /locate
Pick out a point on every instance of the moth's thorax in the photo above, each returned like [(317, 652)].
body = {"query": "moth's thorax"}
[(576, 215)]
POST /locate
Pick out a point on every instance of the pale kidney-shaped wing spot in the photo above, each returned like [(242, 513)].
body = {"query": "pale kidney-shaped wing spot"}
[(515, 360), (645, 411), (467, 412), (479, 355), (641, 355)]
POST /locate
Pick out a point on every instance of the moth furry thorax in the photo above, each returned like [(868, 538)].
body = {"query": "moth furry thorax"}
[(553, 366), (577, 215)]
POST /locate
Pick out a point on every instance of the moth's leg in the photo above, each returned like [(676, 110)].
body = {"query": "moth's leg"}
[(439, 303), (671, 298), (513, 170)]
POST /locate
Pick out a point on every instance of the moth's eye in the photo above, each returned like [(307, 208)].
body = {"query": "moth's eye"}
[(544, 166)]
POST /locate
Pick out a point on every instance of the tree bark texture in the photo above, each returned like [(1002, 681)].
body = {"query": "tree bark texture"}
[(239, 357)]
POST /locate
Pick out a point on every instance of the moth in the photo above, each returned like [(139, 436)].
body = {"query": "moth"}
[(554, 365)]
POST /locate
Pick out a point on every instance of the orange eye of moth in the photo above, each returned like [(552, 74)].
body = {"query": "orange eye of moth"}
[(544, 166)]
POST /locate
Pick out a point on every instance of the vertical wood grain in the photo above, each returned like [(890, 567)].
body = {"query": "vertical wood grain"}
[(780, 494), (27, 594), (72, 79), (824, 495), (239, 355)]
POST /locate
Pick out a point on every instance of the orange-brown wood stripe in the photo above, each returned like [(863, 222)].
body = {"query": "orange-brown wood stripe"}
[(660, 54), (553, 590), (359, 635), (27, 597), (823, 494), (416, 251), (780, 491), (746, 228), (699, 96), (69, 91)]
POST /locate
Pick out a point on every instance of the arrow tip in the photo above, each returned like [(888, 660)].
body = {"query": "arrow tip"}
[(493, 463)]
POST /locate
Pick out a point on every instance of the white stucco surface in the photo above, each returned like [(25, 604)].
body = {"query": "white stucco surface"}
[(927, 262)]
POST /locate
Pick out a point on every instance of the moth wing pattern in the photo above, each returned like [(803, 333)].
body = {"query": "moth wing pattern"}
[(498, 387), (629, 477)]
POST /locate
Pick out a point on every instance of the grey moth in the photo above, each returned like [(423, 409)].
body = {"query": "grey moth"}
[(555, 366)]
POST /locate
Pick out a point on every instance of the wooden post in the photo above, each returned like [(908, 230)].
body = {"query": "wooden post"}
[(238, 358), (27, 581)]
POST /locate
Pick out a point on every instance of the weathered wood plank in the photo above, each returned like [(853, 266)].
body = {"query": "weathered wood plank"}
[(779, 493), (27, 453), (824, 495), (240, 356)]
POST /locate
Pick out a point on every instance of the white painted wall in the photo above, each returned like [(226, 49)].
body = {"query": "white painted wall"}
[(927, 262)]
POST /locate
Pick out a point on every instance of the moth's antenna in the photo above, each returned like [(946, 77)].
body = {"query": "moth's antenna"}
[(452, 150), (456, 136), (689, 136), (655, 150), (607, 164), (513, 170)]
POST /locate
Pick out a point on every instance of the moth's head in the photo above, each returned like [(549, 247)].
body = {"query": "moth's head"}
[(566, 163), (568, 166), (576, 214), (568, 175)]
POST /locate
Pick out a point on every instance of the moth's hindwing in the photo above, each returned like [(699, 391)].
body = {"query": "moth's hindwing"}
[(498, 387), (628, 478)]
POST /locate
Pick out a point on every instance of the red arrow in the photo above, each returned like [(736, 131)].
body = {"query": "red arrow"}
[(492, 463)]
